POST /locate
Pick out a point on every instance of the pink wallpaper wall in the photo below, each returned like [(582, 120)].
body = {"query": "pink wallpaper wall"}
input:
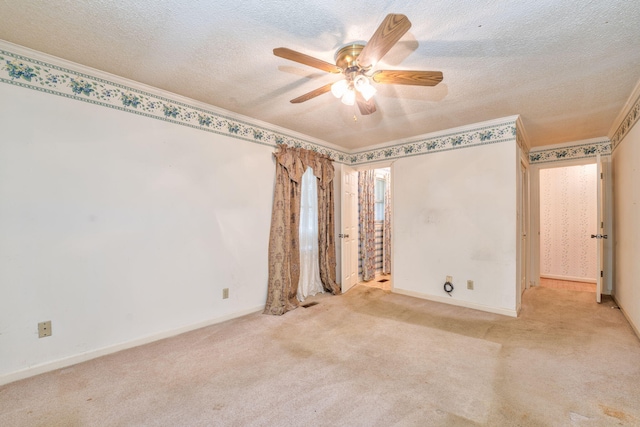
[(568, 204)]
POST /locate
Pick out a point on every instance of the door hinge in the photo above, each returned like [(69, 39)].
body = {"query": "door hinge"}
[(601, 175), (601, 273)]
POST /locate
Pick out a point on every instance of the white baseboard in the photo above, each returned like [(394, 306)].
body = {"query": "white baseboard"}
[(626, 316), (452, 301), (93, 354), (569, 278)]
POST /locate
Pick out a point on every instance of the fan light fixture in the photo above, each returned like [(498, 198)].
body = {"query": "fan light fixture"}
[(346, 90)]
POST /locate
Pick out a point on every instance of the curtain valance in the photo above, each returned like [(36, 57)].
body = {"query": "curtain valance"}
[(297, 160)]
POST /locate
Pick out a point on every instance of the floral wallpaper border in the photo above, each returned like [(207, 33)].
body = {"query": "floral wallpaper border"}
[(571, 152), (20, 70), (630, 119), (453, 141)]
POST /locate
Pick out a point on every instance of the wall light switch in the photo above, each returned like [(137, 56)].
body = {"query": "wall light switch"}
[(225, 293), (44, 329), (470, 284), (450, 279)]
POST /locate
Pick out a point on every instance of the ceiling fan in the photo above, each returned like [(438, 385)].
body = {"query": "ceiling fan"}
[(356, 60)]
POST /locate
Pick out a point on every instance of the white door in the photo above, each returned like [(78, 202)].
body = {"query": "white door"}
[(600, 236), (524, 226), (349, 235)]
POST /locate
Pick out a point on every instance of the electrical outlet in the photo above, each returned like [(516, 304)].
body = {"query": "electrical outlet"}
[(470, 284), (225, 293), (450, 279), (44, 329)]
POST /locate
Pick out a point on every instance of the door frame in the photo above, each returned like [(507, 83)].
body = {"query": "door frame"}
[(534, 215)]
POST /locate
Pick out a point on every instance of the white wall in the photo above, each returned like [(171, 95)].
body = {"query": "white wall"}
[(455, 215), (626, 189), (121, 229), (568, 216)]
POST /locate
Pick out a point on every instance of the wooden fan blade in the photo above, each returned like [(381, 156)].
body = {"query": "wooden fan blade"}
[(292, 55), (388, 33), (402, 77), (307, 96), (366, 107)]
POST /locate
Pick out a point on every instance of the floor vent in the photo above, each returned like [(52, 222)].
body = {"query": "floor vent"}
[(311, 304)]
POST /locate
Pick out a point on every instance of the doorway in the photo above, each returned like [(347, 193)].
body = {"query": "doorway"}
[(366, 253), (568, 201), (374, 228)]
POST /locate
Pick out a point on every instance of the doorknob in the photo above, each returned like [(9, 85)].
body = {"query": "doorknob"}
[(599, 236), (343, 235)]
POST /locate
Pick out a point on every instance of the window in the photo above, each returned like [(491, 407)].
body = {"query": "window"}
[(381, 185)]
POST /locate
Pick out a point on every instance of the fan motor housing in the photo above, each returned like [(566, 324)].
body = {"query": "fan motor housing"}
[(346, 56)]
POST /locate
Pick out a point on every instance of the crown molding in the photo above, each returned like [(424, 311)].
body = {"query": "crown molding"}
[(626, 119), (522, 138)]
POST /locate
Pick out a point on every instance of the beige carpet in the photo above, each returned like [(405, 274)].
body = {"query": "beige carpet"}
[(367, 358)]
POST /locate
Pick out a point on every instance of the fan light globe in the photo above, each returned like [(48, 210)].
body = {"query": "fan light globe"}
[(362, 85), (349, 97), (360, 81), (368, 91), (339, 88)]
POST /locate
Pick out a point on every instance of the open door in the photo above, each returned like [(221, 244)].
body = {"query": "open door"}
[(349, 235), (524, 227), (600, 236)]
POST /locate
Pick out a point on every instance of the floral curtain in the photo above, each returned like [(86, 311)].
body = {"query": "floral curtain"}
[(386, 229), (366, 202), (326, 227), (284, 245)]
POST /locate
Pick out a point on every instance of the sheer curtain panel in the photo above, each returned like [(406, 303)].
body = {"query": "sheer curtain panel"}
[(309, 283)]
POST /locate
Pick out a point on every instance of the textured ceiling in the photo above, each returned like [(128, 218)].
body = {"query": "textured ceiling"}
[(567, 67)]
